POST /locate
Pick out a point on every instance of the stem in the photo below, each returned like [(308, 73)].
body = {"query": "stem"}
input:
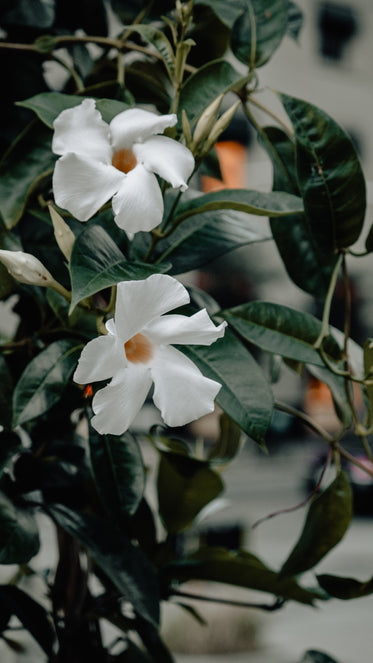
[(328, 302), (289, 409), (241, 604)]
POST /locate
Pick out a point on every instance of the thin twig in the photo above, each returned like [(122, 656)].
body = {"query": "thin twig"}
[(240, 604)]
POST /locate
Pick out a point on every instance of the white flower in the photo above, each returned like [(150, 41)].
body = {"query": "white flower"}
[(136, 352), (120, 160)]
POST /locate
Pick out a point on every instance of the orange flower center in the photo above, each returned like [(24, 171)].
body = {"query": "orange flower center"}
[(138, 349), (124, 160)]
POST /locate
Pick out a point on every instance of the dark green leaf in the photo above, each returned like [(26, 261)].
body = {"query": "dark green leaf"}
[(281, 330), (306, 265), (124, 564), (202, 87), (313, 656), (19, 538), (25, 166), (245, 394), (158, 39), (337, 387), (369, 240), (258, 32), (6, 387), (295, 20), (327, 520), (329, 175), (227, 12), (242, 569), (31, 614), (185, 485), (119, 472), (39, 14), (48, 105), (96, 263), (44, 379), (345, 588)]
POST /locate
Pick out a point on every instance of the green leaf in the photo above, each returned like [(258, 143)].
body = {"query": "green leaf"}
[(369, 240), (48, 105), (313, 656), (242, 569), (243, 200), (158, 39), (258, 32), (19, 538), (44, 379), (119, 472), (6, 388), (39, 15), (330, 176), (295, 20), (33, 617), (123, 563), (307, 266), (227, 12), (345, 588), (245, 394), (185, 486), (96, 263), (281, 330), (206, 84), (337, 387), (327, 520), (26, 165)]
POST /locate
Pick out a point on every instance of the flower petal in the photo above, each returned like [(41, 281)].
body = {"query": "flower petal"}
[(167, 158), (139, 302), (116, 405), (99, 360), (138, 205), (181, 392), (136, 124), (82, 186), (82, 130), (198, 329)]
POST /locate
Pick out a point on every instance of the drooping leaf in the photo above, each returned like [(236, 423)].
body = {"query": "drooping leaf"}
[(281, 330), (97, 262), (6, 386), (327, 520), (245, 394), (228, 443), (369, 240), (48, 105), (206, 84), (123, 563), (258, 32), (307, 266), (313, 656), (22, 171), (19, 538), (33, 617), (330, 176), (44, 379), (119, 472), (227, 12), (345, 588), (295, 20), (185, 485), (242, 569)]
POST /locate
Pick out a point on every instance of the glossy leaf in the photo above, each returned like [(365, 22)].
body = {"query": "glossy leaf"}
[(227, 12), (307, 266), (33, 617), (329, 175), (245, 394), (122, 562), (19, 538), (158, 39), (30, 161), (281, 330), (185, 486), (44, 379), (96, 263), (119, 472), (258, 32), (242, 569), (48, 105), (345, 588), (6, 387), (327, 520), (206, 84)]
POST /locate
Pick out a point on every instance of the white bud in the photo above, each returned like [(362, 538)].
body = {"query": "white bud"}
[(65, 238), (222, 123), (25, 268), (206, 121)]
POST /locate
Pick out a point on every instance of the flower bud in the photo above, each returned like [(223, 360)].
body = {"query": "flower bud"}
[(222, 123), (25, 268), (65, 238), (206, 122)]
